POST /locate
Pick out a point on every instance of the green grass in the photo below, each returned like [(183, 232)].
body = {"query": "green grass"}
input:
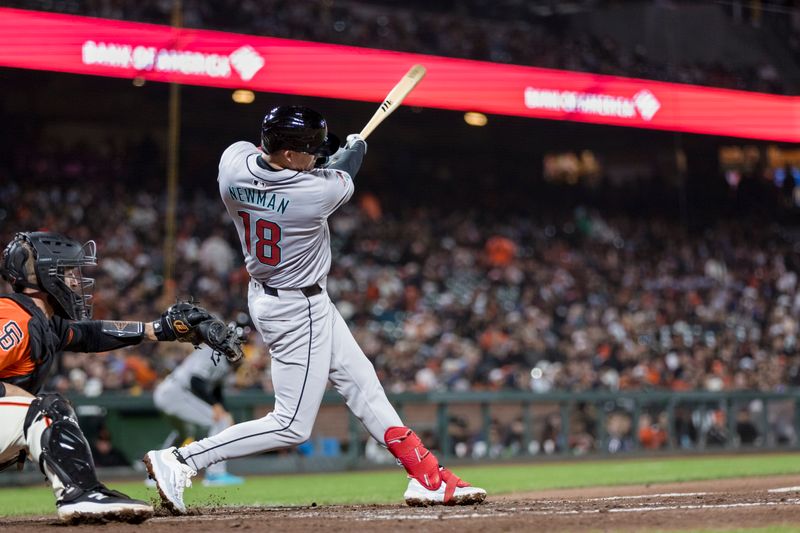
[(388, 486)]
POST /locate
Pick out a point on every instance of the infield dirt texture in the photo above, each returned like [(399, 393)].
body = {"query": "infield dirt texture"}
[(720, 505)]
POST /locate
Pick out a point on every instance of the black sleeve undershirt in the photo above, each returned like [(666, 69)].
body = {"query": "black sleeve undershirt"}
[(349, 160), (88, 336)]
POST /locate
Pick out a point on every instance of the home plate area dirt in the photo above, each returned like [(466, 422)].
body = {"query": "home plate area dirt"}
[(712, 505)]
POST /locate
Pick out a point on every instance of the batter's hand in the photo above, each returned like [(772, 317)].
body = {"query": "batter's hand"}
[(352, 139)]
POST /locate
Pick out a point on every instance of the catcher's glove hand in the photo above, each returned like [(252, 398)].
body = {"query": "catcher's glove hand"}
[(180, 322), (221, 338)]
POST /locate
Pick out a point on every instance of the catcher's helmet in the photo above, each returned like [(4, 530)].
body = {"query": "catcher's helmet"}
[(52, 263), (297, 128)]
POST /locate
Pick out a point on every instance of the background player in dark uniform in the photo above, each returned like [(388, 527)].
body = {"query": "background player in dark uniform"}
[(49, 312)]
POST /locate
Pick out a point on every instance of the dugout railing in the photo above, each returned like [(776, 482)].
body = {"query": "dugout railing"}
[(496, 425)]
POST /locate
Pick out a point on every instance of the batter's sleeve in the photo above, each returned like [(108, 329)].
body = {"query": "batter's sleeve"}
[(348, 159), (337, 188)]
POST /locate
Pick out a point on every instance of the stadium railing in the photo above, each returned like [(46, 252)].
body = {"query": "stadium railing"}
[(497, 425)]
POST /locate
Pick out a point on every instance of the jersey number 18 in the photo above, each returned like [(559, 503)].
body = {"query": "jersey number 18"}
[(267, 235)]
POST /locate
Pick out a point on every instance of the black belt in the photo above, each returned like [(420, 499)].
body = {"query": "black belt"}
[(308, 292)]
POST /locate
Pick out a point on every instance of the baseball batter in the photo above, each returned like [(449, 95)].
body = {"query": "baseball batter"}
[(280, 197), (192, 394)]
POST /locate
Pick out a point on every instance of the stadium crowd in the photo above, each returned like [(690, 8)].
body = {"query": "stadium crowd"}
[(450, 299), (505, 32)]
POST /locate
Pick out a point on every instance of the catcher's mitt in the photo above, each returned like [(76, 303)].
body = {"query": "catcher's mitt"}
[(221, 338), (180, 322), (187, 322)]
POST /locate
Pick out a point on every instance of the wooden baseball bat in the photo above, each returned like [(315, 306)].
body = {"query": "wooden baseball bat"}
[(395, 98)]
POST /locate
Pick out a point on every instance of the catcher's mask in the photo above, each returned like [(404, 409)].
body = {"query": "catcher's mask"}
[(52, 263), (299, 129)]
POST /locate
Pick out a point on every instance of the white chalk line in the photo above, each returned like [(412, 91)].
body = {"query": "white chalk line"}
[(429, 517), (786, 489), (632, 497), (560, 503), (643, 496), (793, 501)]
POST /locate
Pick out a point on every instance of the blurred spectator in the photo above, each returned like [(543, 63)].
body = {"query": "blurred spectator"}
[(104, 452), (652, 435), (490, 444), (713, 428), (746, 430), (514, 440), (619, 432), (581, 440), (500, 251), (780, 417), (459, 436), (551, 438), (685, 429)]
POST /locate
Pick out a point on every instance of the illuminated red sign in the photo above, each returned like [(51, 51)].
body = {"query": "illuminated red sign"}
[(45, 41)]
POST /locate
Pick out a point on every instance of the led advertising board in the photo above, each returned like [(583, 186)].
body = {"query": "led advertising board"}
[(84, 45)]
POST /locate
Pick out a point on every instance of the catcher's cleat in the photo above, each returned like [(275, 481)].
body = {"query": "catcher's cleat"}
[(101, 505), (452, 491), (172, 475)]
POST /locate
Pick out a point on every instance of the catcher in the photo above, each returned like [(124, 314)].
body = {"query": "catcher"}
[(49, 312)]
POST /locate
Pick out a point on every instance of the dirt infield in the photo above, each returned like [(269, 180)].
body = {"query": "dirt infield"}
[(723, 504)]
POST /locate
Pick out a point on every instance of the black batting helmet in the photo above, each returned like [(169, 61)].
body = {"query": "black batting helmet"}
[(52, 263), (297, 128)]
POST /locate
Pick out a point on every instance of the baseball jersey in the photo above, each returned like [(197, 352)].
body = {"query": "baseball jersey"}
[(281, 216), (30, 342), (203, 363)]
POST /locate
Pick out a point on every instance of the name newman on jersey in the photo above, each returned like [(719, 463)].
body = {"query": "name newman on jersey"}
[(261, 198)]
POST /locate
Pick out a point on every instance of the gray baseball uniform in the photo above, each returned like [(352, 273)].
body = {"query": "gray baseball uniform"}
[(282, 220), (187, 393)]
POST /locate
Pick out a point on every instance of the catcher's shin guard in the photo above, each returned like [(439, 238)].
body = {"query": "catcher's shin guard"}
[(65, 453)]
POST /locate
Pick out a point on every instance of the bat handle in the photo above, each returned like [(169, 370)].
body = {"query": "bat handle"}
[(369, 128)]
